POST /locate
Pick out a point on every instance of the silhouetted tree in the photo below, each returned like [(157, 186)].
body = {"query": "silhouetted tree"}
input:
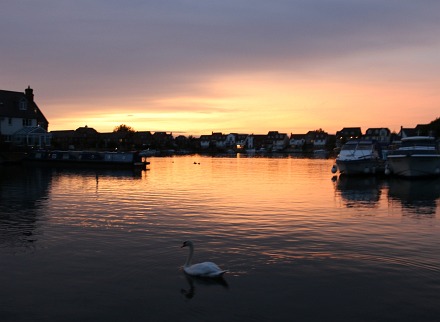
[(124, 128), (125, 136), (434, 127)]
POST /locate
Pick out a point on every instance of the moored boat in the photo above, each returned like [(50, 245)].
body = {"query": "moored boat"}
[(87, 159), (148, 153), (360, 157), (417, 156), (321, 153)]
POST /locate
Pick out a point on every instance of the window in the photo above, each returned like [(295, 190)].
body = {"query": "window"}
[(27, 122), (23, 104)]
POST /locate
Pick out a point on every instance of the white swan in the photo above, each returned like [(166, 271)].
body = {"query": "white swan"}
[(205, 269)]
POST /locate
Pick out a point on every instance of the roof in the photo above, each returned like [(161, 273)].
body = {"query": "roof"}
[(205, 137), (297, 136), (372, 130), (241, 136), (161, 135), (349, 131), (30, 129), (408, 132), (276, 135), (86, 131)]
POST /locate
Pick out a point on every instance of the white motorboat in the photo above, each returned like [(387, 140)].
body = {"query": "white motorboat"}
[(417, 156), (360, 157)]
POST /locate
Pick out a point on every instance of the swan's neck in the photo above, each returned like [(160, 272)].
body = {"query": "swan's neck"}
[(190, 255)]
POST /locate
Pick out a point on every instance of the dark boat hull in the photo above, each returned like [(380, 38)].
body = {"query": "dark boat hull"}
[(87, 159)]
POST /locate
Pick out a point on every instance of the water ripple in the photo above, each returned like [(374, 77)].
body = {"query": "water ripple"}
[(282, 218)]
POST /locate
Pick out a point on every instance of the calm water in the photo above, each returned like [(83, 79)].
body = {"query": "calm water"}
[(299, 245)]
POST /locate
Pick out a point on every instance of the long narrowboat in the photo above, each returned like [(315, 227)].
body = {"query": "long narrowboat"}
[(88, 159)]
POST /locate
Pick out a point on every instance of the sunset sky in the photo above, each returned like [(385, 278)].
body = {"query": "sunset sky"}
[(248, 66)]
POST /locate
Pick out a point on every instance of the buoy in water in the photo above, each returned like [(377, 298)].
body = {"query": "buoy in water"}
[(334, 168)]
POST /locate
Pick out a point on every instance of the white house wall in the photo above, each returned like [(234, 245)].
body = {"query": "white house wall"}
[(15, 125)]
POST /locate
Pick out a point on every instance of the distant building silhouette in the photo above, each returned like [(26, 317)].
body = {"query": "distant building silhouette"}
[(347, 133)]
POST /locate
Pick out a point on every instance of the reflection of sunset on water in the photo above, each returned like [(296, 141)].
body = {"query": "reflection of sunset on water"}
[(274, 223), (256, 198)]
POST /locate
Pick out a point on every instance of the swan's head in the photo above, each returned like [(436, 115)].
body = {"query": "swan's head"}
[(187, 243)]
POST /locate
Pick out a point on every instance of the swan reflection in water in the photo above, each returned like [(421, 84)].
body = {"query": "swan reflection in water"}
[(203, 281)]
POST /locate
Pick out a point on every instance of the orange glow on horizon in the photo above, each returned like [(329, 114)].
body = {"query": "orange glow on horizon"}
[(260, 104)]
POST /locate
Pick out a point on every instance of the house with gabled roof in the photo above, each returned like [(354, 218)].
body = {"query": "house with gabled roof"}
[(205, 141), (316, 139), (162, 139), (218, 140), (321, 139), (407, 132), (256, 141), (378, 134), (349, 133), (346, 134), (277, 141), (229, 141), (297, 141), (63, 139), (21, 120), (143, 139), (240, 140), (421, 129)]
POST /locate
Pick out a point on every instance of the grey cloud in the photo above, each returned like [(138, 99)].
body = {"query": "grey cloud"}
[(104, 44)]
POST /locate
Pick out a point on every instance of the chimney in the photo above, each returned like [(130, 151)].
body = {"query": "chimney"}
[(29, 93)]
